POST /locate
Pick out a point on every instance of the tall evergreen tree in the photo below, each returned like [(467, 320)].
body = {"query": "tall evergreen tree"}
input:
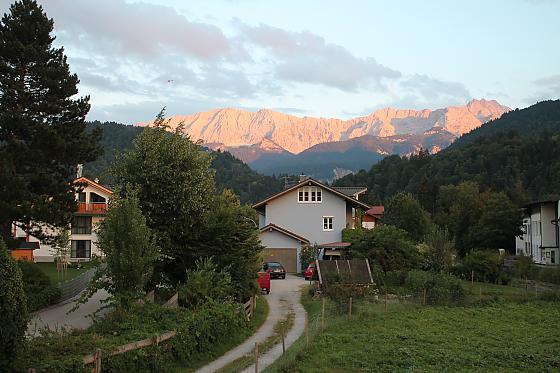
[(42, 128)]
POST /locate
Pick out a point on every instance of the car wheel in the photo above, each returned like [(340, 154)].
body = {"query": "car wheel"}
[(283, 277), (268, 291)]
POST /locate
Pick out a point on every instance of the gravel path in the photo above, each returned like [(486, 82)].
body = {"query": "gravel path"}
[(284, 298), (56, 317)]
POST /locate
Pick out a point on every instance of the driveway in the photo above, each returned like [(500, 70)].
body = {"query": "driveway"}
[(284, 298), (56, 317)]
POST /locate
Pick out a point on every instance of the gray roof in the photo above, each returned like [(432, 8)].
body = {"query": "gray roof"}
[(350, 191)]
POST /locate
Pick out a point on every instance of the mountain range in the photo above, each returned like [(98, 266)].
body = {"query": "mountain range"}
[(272, 142)]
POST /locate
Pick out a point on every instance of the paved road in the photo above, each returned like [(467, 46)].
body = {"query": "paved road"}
[(56, 317), (284, 298)]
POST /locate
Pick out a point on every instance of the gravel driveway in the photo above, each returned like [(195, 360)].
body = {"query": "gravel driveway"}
[(284, 298)]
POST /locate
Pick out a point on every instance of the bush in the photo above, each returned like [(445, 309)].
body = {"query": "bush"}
[(13, 311), (200, 334), (484, 264), (439, 287), (38, 289), (205, 284), (551, 275)]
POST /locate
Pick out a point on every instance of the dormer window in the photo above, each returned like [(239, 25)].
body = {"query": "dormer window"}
[(310, 194)]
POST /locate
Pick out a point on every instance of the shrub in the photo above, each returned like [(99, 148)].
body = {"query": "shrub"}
[(484, 264), (200, 333), (551, 275), (205, 284), (38, 289), (439, 287), (13, 311)]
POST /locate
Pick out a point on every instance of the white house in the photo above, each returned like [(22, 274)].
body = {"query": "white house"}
[(308, 213), (540, 236), (92, 207)]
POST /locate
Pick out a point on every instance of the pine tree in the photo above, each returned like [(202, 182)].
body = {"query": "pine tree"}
[(13, 311), (42, 128)]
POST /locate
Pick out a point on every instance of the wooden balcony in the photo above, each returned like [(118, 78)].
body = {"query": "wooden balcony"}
[(92, 208)]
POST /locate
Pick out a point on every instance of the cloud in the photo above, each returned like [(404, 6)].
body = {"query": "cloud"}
[(140, 29), (548, 88), (308, 58)]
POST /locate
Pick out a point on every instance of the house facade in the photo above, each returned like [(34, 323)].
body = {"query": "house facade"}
[(92, 207), (540, 238), (308, 213)]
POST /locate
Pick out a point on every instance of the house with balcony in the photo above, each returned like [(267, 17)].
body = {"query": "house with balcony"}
[(308, 213), (92, 207), (540, 238)]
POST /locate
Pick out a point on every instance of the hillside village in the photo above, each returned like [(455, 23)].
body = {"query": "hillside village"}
[(156, 248)]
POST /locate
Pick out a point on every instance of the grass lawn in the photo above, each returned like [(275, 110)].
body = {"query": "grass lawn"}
[(50, 270), (504, 336)]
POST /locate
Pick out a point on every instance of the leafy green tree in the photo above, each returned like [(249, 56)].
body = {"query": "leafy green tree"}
[(129, 249), (174, 183), (388, 246), (439, 250), (13, 311), (458, 210), (231, 237), (42, 136), (499, 222), (405, 212)]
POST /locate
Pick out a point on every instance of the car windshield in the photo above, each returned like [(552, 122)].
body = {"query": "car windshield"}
[(273, 265)]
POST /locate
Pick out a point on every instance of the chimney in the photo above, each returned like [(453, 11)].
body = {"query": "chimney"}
[(302, 177), (96, 180), (79, 170)]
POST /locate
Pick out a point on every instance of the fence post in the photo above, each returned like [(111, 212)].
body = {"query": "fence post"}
[(323, 316), (307, 333), (97, 361), (472, 277), (283, 338), (350, 308), (256, 357), (385, 300)]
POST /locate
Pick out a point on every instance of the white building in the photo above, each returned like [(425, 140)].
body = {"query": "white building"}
[(92, 207), (540, 238)]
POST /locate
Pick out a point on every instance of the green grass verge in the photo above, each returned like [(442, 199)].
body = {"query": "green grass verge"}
[(505, 335), (50, 270), (247, 360)]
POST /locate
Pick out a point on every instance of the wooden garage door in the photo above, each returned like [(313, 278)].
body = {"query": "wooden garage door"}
[(286, 257)]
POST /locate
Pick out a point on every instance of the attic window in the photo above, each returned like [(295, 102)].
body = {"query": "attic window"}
[(310, 195)]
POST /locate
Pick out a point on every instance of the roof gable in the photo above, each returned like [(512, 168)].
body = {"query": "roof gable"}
[(94, 185), (309, 182), (285, 232)]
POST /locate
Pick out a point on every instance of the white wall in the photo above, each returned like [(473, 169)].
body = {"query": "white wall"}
[(306, 219), (275, 240)]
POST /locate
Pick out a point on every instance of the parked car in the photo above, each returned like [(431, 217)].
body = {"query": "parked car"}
[(264, 282), (275, 269), (308, 274)]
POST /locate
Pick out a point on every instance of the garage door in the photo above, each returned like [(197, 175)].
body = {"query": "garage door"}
[(286, 257)]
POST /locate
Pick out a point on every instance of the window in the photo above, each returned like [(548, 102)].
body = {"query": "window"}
[(327, 223), (82, 197), (81, 249), (96, 198), (309, 195), (81, 225)]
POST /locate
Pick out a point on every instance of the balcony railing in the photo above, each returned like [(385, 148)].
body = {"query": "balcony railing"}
[(92, 208)]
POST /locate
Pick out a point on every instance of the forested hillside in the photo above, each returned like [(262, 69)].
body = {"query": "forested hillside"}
[(518, 154), (231, 173)]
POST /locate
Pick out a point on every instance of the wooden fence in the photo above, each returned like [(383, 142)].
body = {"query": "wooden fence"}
[(249, 307), (96, 357)]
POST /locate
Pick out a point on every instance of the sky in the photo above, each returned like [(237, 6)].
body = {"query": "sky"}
[(308, 58)]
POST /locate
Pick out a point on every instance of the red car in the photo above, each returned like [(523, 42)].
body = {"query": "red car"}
[(309, 271), (264, 282)]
